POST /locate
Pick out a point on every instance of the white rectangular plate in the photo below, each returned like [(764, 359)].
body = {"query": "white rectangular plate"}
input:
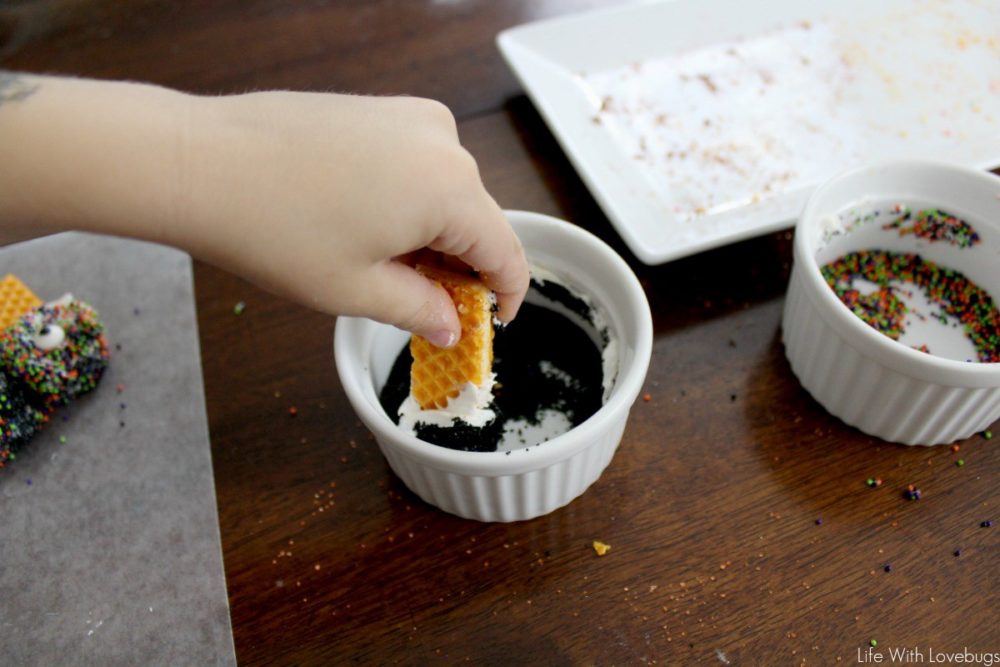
[(697, 123)]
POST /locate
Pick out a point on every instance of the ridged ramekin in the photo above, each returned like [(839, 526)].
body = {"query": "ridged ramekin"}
[(860, 375), (523, 483)]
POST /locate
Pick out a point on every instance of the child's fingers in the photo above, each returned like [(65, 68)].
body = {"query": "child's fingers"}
[(485, 241), (398, 295)]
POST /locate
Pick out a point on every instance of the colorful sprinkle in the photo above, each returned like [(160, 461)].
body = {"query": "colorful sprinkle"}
[(884, 311), (19, 419), (293, 411), (988, 435), (239, 308), (960, 462), (911, 493), (887, 567), (600, 548), (873, 643), (986, 524), (935, 225)]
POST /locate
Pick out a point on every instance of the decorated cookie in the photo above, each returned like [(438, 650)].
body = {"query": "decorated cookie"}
[(18, 418), (57, 350)]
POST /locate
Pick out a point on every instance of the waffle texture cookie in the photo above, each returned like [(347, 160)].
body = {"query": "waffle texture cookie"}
[(15, 300), (438, 375)]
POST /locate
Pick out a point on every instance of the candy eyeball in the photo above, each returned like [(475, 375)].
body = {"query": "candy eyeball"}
[(49, 337)]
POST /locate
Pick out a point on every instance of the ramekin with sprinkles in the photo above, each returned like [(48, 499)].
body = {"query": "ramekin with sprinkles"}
[(891, 321)]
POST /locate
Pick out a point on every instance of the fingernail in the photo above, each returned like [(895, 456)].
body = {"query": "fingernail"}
[(443, 338)]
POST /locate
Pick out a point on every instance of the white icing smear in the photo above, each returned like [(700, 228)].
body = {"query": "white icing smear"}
[(470, 406), (517, 432)]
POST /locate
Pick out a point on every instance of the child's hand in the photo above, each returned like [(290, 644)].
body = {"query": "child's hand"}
[(324, 198)]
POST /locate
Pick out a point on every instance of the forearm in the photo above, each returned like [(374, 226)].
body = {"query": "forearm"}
[(95, 155), (318, 197)]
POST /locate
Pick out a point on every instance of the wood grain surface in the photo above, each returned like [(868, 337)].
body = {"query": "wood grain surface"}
[(742, 528)]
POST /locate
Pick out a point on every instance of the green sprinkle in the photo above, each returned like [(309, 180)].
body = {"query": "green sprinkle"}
[(870, 482), (987, 434), (239, 308), (62, 439), (873, 643), (960, 462)]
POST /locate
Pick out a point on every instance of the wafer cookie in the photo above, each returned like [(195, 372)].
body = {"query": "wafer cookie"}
[(438, 374), (16, 299)]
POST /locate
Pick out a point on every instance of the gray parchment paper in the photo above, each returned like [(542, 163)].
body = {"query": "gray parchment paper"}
[(109, 542)]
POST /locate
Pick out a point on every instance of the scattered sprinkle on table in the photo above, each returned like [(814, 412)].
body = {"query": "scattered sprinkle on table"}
[(988, 434), (912, 493), (239, 308), (600, 548), (293, 411), (986, 524)]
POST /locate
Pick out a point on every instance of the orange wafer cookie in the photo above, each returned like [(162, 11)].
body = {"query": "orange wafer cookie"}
[(15, 300), (438, 375)]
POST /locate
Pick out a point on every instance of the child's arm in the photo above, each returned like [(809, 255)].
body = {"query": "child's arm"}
[(317, 197)]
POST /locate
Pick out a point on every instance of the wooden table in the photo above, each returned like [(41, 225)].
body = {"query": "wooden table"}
[(741, 525)]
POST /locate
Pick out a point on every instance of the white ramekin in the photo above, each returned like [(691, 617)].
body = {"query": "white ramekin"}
[(868, 380), (524, 483)]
